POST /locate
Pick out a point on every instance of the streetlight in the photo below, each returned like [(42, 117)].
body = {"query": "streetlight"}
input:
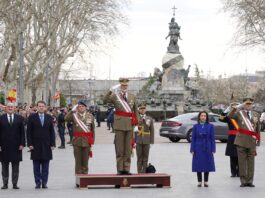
[(21, 71), (165, 108)]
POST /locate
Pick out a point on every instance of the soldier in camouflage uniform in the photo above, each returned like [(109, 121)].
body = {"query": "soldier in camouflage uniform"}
[(125, 118), (145, 137), (83, 135)]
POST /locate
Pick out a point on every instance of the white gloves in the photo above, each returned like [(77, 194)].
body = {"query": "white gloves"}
[(228, 109), (240, 106), (74, 107), (115, 87)]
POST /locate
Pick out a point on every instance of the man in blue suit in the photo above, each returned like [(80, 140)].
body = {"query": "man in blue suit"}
[(41, 142)]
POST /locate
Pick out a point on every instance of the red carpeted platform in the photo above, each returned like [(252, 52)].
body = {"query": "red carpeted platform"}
[(141, 180)]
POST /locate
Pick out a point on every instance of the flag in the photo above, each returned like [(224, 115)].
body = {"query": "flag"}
[(12, 95), (57, 95)]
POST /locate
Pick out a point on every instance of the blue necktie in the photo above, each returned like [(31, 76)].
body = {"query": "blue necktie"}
[(42, 119)]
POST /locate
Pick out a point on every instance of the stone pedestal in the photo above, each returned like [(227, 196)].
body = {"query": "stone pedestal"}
[(173, 78), (173, 85)]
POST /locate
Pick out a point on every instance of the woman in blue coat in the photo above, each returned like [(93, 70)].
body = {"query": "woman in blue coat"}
[(203, 148)]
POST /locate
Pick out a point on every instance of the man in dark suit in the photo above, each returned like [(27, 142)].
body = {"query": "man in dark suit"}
[(41, 142), (12, 142)]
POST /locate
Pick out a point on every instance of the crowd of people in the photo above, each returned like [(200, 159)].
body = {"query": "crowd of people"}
[(132, 127)]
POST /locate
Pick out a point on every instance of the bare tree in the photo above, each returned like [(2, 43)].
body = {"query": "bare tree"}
[(53, 31), (250, 18)]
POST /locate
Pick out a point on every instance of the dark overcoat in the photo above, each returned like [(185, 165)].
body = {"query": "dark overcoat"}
[(230, 147), (203, 146), (11, 137), (42, 138)]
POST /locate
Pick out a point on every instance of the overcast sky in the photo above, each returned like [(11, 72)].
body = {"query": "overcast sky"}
[(205, 30)]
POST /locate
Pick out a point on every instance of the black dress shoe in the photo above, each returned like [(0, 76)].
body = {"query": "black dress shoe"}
[(126, 173), (250, 185), (243, 185), (44, 186), (61, 147), (119, 173), (233, 176), (15, 187), (37, 187), (4, 187)]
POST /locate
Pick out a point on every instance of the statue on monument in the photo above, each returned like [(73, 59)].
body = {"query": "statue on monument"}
[(174, 34)]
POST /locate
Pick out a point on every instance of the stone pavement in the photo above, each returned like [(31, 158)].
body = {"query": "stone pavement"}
[(171, 158)]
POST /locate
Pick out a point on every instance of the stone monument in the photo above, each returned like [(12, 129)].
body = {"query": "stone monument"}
[(170, 90), (174, 75)]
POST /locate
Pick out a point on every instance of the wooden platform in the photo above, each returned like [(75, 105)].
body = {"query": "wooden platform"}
[(94, 180)]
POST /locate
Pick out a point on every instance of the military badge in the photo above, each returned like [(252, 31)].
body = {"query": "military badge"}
[(148, 122), (255, 119)]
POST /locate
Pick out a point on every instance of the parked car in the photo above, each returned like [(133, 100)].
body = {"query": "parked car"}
[(262, 121), (180, 127)]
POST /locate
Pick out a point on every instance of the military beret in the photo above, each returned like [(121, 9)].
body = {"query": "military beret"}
[(82, 102), (124, 81)]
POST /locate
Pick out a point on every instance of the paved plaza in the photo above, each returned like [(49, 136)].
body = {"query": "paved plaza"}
[(171, 158)]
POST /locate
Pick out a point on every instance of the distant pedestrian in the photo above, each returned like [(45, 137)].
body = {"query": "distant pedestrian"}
[(97, 114), (202, 148), (61, 128), (110, 119)]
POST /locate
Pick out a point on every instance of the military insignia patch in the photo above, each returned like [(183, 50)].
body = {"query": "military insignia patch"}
[(148, 122)]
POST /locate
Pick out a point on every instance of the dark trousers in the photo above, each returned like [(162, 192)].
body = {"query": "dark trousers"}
[(41, 171), (61, 134), (234, 166), (70, 131), (110, 125), (5, 172), (199, 176)]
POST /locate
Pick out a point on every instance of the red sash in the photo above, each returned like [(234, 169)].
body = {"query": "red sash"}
[(232, 132), (89, 136), (128, 114), (251, 133)]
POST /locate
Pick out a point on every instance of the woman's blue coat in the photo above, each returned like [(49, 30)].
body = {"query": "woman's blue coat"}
[(203, 146)]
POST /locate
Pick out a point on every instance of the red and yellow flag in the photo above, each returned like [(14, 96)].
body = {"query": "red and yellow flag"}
[(57, 95), (12, 95)]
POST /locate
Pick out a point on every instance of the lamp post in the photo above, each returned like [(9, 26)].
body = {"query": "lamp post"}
[(165, 108), (20, 86)]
